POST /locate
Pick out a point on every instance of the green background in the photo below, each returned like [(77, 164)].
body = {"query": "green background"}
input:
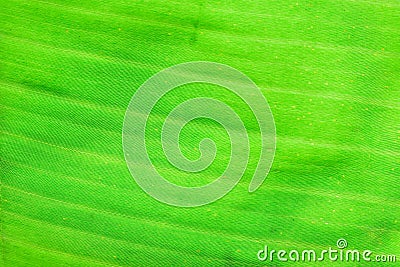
[(329, 70)]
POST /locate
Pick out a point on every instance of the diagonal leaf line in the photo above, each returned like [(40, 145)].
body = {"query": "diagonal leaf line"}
[(58, 120), (336, 97), (93, 234), (241, 11), (116, 159), (311, 191), (362, 198), (119, 16), (379, 3), (82, 53), (278, 41), (59, 252), (93, 154), (174, 226), (56, 226), (322, 145), (83, 103), (196, 230), (294, 66), (104, 157)]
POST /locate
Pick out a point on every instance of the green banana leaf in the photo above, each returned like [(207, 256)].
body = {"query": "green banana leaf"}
[(328, 69)]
